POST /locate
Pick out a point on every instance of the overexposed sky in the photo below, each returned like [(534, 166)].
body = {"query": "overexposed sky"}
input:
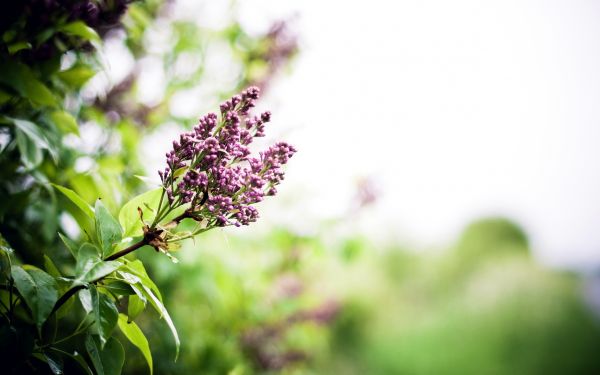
[(457, 109)]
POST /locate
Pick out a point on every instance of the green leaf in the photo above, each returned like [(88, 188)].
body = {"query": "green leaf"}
[(137, 268), (80, 360), (31, 156), (69, 244), (54, 362), (80, 29), (18, 46), (76, 76), (90, 267), (105, 314), (107, 361), (64, 121), (118, 287), (129, 216), (135, 306), (160, 308), (31, 141), (50, 267), (85, 298), (137, 338), (21, 79), (38, 289), (77, 200), (108, 230)]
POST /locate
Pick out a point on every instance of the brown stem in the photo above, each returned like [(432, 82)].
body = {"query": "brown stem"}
[(144, 241), (184, 215), (148, 236), (68, 294)]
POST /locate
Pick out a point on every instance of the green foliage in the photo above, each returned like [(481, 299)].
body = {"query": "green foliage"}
[(38, 289)]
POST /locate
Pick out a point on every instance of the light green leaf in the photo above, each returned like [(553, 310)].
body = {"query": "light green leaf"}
[(107, 361), (108, 230), (129, 216), (18, 46), (80, 29), (135, 306), (64, 121), (105, 314), (22, 80), (90, 267), (137, 338), (38, 289), (137, 268), (85, 298), (160, 308), (77, 200), (76, 76)]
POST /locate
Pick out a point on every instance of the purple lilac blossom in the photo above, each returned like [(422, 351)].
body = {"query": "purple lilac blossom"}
[(211, 167)]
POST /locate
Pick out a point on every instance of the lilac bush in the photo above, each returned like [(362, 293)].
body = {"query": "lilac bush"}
[(212, 171)]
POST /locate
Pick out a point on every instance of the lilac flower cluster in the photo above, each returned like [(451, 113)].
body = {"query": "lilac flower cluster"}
[(212, 170)]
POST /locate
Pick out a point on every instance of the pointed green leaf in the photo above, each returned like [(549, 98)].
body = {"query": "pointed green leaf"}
[(31, 141), (135, 306), (54, 362), (80, 360), (105, 314), (108, 230), (92, 346), (50, 267), (160, 308), (129, 216), (80, 29), (31, 155), (69, 244), (90, 267), (76, 76), (118, 287), (137, 268), (85, 298), (38, 289), (77, 200), (137, 338), (107, 361), (23, 81), (64, 121)]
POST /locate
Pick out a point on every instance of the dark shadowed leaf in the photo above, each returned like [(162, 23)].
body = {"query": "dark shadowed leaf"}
[(107, 361), (38, 289), (22, 80)]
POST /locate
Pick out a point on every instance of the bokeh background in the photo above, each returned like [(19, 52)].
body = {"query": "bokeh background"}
[(440, 216)]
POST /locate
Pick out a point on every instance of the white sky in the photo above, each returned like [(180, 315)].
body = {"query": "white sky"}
[(458, 109)]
